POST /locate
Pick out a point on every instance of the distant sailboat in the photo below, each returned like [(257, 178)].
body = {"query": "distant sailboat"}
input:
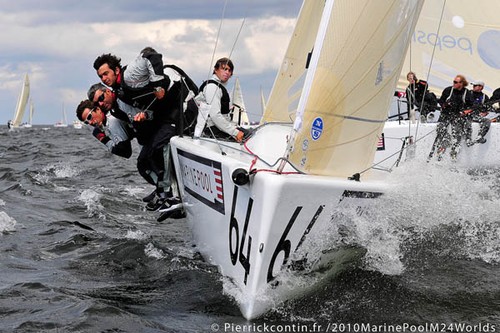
[(77, 124), (21, 103), (262, 101), (29, 124), (64, 122), (240, 116)]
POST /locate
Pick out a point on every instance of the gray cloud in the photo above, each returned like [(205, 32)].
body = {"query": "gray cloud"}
[(57, 44)]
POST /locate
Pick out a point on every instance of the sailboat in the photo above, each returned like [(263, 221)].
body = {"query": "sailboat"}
[(21, 103), (240, 115), (29, 124), (63, 122), (450, 38), (262, 101), (266, 210), (77, 124)]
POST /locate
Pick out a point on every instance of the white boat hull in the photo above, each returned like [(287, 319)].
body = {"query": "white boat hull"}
[(478, 155), (254, 232), (257, 232)]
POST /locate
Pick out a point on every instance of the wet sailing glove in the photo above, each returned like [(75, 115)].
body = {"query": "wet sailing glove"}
[(100, 135)]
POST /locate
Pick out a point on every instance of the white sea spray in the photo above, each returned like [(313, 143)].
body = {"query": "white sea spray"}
[(7, 223)]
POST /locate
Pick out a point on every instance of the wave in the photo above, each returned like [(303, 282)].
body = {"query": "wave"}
[(7, 223)]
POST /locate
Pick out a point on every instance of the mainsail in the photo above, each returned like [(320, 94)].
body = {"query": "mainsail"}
[(466, 41), (21, 102), (352, 75)]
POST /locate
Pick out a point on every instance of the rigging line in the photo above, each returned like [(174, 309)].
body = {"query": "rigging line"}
[(230, 54), (237, 36), (217, 38), (211, 64), (219, 145), (430, 63), (397, 152)]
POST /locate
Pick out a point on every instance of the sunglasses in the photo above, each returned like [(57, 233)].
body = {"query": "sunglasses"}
[(100, 99), (455, 82), (89, 117)]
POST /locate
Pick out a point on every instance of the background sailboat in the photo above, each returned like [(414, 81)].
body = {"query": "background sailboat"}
[(29, 124), (262, 101), (466, 41), (63, 122), (77, 124), (21, 103), (240, 115)]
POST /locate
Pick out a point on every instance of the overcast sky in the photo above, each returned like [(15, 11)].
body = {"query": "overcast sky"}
[(56, 43)]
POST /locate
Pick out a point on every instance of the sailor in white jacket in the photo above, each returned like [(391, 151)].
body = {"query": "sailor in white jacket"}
[(216, 95)]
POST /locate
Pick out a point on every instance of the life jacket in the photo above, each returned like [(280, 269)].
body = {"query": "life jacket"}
[(187, 123), (225, 100), (448, 99)]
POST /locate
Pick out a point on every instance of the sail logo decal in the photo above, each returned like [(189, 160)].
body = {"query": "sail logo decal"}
[(443, 42), (202, 178), (317, 128), (486, 45)]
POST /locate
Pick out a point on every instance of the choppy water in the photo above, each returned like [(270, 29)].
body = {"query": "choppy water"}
[(78, 253)]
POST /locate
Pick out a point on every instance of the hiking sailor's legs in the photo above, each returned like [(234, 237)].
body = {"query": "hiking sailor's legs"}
[(457, 130), (441, 131), (484, 127), (468, 131)]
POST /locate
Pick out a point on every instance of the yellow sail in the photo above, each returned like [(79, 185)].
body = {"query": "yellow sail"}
[(21, 102), (357, 59), (287, 88), (468, 43)]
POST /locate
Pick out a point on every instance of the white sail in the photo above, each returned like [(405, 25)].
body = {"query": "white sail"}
[(466, 41), (240, 115), (353, 73), (21, 102), (262, 101)]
